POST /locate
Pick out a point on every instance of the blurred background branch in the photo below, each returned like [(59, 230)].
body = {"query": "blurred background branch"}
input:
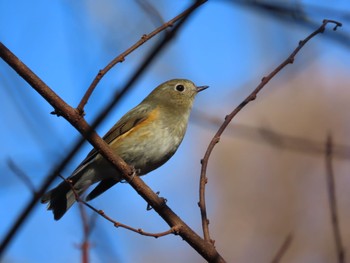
[(21, 175), (333, 202), (272, 138), (267, 167), (306, 15), (283, 249)]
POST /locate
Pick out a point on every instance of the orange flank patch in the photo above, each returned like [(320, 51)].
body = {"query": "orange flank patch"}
[(151, 117)]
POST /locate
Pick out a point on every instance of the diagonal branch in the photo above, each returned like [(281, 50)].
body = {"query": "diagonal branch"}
[(206, 250), (122, 56), (228, 118)]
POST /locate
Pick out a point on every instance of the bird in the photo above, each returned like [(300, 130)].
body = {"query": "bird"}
[(146, 137)]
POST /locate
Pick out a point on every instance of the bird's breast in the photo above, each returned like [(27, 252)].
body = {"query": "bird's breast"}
[(152, 143)]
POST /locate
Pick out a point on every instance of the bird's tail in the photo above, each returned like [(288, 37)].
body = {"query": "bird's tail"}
[(61, 198)]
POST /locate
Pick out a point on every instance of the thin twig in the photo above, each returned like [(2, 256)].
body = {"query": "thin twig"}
[(283, 249), (123, 55), (172, 230), (206, 250), (82, 203), (21, 175), (333, 201), (228, 118)]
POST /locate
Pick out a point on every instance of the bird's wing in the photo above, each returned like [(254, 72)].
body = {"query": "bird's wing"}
[(125, 124)]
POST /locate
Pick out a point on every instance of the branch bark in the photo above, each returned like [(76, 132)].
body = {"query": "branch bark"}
[(72, 115)]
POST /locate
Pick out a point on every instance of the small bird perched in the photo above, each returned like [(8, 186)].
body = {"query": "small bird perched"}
[(145, 138)]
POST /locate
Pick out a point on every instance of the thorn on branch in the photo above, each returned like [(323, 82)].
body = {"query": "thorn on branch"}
[(149, 207), (81, 112), (56, 112)]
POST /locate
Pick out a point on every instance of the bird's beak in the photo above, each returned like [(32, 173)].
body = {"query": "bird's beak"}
[(200, 88)]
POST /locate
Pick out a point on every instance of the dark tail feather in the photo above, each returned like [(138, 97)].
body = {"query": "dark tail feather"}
[(57, 199), (61, 198), (101, 187)]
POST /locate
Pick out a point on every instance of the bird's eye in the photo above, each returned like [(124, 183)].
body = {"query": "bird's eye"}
[(180, 87)]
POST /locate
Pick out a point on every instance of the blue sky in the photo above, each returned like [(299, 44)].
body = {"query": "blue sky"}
[(224, 45)]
